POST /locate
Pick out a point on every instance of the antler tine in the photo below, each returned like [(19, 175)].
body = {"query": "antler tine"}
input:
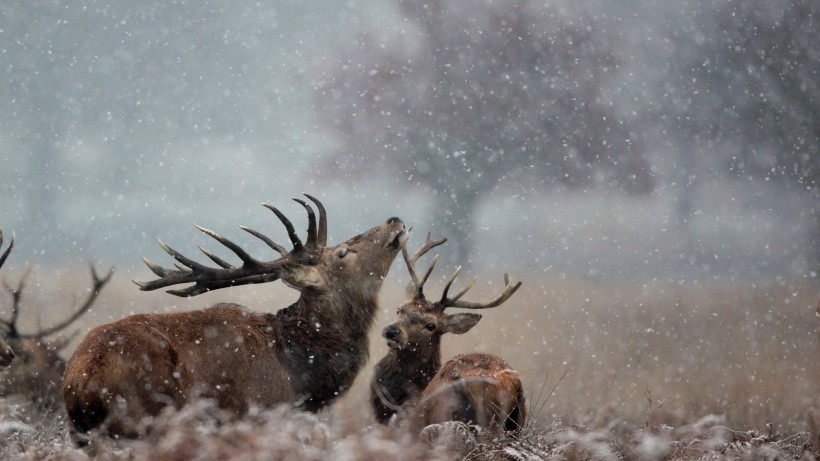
[(16, 296), (276, 247), (321, 234), (97, 285), (221, 262), (180, 257), (429, 244), (243, 255), (509, 290), (294, 239), (444, 300), (420, 285), (311, 232), (8, 250)]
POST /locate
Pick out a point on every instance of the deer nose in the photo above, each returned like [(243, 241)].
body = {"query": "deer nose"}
[(391, 332), (395, 220)]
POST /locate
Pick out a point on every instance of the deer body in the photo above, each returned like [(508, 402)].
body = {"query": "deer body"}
[(472, 388), (478, 388), (306, 354)]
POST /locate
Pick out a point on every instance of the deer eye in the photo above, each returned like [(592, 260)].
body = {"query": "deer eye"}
[(343, 252), (430, 326)]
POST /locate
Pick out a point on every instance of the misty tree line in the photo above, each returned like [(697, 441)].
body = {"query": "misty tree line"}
[(511, 93), (459, 98)]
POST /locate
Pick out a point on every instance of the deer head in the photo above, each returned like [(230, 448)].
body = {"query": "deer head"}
[(420, 322), (360, 263)]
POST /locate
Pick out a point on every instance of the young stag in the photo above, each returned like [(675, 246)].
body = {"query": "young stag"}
[(38, 367), (306, 354), (477, 388)]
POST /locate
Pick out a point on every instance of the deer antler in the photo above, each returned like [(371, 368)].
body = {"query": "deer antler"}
[(97, 286), (417, 286), (8, 250), (206, 278), (10, 325), (445, 302)]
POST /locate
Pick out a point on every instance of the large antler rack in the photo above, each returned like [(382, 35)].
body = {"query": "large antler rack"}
[(206, 278)]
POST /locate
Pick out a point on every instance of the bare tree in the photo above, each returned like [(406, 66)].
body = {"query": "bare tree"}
[(483, 94)]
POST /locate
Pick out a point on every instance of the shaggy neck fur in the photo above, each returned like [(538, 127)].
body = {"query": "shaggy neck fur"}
[(402, 375), (323, 357)]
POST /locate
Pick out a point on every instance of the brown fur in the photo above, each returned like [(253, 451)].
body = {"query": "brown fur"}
[(471, 388), (478, 388), (306, 354)]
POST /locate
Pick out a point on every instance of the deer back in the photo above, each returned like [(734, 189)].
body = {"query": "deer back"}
[(478, 388)]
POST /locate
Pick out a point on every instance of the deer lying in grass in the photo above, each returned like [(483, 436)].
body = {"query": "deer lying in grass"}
[(37, 368), (477, 388), (306, 354)]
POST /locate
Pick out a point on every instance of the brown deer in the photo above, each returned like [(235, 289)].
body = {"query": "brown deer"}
[(306, 354), (37, 368), (478, 388)]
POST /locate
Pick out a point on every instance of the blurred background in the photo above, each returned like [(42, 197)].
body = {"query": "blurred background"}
[(621, 139), (650, 169)]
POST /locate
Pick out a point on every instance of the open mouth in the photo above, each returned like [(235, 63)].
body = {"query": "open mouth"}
[(393, 344), (399, 240)]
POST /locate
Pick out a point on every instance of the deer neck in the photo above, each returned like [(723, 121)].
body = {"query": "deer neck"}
[(324, 344), (419, 362)]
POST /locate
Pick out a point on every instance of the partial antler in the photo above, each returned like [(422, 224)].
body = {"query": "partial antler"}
[(445, 302), (10, 325), (417, 286), (8, 250), (97, 286), (251, 271)]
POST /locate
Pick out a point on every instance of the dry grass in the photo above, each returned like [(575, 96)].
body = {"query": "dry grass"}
[(657, 369)]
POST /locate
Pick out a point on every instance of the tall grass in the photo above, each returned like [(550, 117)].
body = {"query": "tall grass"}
[(649, 358)]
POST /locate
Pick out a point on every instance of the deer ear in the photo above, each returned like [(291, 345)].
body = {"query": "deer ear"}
[(459, 323), (301, 277)]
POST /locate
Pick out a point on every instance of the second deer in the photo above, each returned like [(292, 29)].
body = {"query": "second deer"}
[(473, 388), (34, 364)]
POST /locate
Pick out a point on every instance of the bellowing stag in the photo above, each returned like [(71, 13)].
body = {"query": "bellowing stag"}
[(472, 388), (37, 367), (306, 354)]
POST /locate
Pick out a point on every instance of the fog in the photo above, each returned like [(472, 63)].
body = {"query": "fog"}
[(628, 140)]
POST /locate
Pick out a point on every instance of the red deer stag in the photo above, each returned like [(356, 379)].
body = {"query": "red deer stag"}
[(306, 354), (477, 388), (38, 367)]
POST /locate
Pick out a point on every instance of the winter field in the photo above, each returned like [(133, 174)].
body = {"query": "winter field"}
[(715, 369)]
